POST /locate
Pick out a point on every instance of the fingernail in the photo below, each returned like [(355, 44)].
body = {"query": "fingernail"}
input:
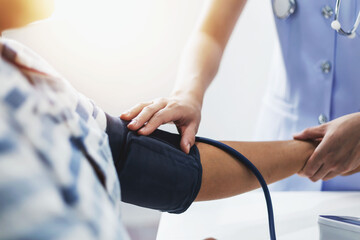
[(125, 113), (188, 148), (133, 122)]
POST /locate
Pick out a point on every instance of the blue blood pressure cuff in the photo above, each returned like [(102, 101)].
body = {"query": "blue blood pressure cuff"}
[(153, 171)]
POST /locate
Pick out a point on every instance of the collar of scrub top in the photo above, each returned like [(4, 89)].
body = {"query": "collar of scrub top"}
[(284, 8)]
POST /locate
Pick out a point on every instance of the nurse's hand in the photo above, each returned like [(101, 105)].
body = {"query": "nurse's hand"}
[(339, 150), (182, 109)]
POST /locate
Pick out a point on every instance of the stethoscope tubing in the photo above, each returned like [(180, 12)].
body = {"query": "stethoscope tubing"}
[(337, 26)]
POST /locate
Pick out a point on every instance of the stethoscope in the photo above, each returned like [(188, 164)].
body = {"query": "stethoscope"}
[(284, 8)]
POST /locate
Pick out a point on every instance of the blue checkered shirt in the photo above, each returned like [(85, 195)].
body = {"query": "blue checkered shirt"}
[(57, 176)]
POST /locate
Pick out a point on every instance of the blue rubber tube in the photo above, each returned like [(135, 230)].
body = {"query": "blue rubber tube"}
[(257, 173)]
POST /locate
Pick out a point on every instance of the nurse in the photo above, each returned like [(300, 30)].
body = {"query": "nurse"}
[(319, 89)]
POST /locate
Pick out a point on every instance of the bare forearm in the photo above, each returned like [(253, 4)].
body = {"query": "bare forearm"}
[(202, 56), (223, 176), (199, 65)]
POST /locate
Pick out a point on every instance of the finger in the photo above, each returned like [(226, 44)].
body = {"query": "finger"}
[(311, 133), (134, 111), (321, 173), (145, 115), (161, 117), (330, 175), (188, 137), (355, 170), (314, 163)]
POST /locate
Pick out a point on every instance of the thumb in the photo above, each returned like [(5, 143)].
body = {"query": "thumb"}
[(187, 138), (311, 133)]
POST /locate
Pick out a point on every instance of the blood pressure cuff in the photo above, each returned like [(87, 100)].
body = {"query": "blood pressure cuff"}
[(153, 171)]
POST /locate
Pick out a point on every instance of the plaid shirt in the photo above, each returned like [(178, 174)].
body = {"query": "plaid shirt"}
[(57, 176)]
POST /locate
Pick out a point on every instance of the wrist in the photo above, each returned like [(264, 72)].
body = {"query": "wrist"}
[(307, 149), (194, 95), (193, 85)]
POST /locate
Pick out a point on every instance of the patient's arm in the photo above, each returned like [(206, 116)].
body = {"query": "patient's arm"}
[(155, 173), (223, 176)]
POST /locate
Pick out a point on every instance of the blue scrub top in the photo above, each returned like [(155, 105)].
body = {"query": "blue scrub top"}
[(316, 78)]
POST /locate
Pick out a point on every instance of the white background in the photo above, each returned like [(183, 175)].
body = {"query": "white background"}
[(121, 52)]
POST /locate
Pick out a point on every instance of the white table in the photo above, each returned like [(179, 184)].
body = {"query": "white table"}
[(245, 216)]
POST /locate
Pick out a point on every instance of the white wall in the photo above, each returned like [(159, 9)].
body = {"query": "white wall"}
[(131, 55)]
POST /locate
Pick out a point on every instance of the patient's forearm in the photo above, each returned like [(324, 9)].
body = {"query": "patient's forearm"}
[(224, 176), (155, 173)]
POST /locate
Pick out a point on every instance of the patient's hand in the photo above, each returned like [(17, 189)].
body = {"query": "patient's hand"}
[(182, 109), (339, 150)]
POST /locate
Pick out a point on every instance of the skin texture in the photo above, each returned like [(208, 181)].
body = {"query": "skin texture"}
[(224, 176), (18, 13), (199, 65), (339, 150)]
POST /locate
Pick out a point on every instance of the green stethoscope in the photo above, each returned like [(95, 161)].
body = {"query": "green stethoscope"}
[(284, 8)]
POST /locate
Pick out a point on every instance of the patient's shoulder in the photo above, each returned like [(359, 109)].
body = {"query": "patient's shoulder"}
[(23, 56), (24, 70)]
